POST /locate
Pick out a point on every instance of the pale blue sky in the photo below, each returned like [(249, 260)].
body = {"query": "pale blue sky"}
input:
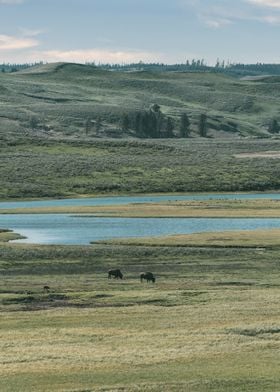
[(134, 30)]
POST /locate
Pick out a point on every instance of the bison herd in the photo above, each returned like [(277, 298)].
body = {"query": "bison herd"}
[(117, 274)]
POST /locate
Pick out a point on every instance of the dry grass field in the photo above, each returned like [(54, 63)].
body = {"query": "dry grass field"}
[(209, 323)]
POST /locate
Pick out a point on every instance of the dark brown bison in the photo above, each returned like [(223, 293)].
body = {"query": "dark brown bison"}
[(148, 276), (116, 273), (46, 289)]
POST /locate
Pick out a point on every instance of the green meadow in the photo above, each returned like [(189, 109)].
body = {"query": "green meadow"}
[(209, 323), (37, 168)]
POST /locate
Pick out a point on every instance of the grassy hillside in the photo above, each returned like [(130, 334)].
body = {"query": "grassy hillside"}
[(46, 149), (57, 99)]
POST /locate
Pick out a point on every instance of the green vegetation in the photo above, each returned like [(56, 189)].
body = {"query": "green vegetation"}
[(199, 65), (211, 320), (209, 323), (50, 168), (55, 121), (202, 125), (57, 99)]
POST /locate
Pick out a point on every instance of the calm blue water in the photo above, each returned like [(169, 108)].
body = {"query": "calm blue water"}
[(102, 201), (67, 229)]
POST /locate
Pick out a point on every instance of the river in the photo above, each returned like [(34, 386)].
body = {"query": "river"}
[(66, 229)]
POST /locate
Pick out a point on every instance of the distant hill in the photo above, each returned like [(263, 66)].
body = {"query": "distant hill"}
[(234, 69), (74, 100)]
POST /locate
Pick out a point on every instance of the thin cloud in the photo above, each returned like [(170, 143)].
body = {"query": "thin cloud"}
[(98, 55), (30, 33), (8, 42), (217, 23), (270, 19), (266, 3), (222, 13)]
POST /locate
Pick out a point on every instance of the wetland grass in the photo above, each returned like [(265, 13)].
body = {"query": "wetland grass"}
[(258, 208), (210, 323)]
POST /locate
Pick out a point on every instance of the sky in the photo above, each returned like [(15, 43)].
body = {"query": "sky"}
[(125, 31)]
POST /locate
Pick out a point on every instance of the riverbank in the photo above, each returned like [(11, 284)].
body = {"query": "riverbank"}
[(7, 235), (259, 239), (261, 208)]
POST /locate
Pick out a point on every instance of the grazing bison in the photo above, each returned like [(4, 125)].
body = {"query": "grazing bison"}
[(116, 273), (46, 289), (148, 276)]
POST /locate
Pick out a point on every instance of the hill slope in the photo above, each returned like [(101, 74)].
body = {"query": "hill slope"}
[(58, 99)]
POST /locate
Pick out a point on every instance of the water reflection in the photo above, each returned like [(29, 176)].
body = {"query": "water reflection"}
[(101, 201), (70, 230)]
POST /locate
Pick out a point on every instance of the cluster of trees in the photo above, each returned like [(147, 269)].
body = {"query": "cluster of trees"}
[(7, 67), (254, 69), (148, 123), (198, 65), (193, 65), (153, 123)]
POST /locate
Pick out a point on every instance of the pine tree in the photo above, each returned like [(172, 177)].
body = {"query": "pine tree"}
[(137, 122), (184, 125), (170, 127), (274, 126), (202, 125), (156, 121)]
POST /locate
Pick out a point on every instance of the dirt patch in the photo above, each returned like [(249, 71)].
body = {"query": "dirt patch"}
[(263, 154)]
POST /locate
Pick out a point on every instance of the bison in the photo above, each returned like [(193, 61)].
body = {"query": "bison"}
[(148, 276), (116, 273)]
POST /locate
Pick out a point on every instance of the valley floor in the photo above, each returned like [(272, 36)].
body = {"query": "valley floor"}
[(209, 323)]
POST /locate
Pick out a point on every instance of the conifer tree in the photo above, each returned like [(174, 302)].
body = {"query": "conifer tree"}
[(184, 125), (202, 125), (274, 126), (170, 127)]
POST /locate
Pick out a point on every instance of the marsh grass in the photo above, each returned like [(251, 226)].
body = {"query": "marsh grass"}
[(169, 209), (258, 239), (209, 323)]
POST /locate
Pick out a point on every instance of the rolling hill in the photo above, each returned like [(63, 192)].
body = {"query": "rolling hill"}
[(58, 99)]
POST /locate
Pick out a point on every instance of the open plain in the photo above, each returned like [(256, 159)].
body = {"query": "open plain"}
[(211, 321)]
